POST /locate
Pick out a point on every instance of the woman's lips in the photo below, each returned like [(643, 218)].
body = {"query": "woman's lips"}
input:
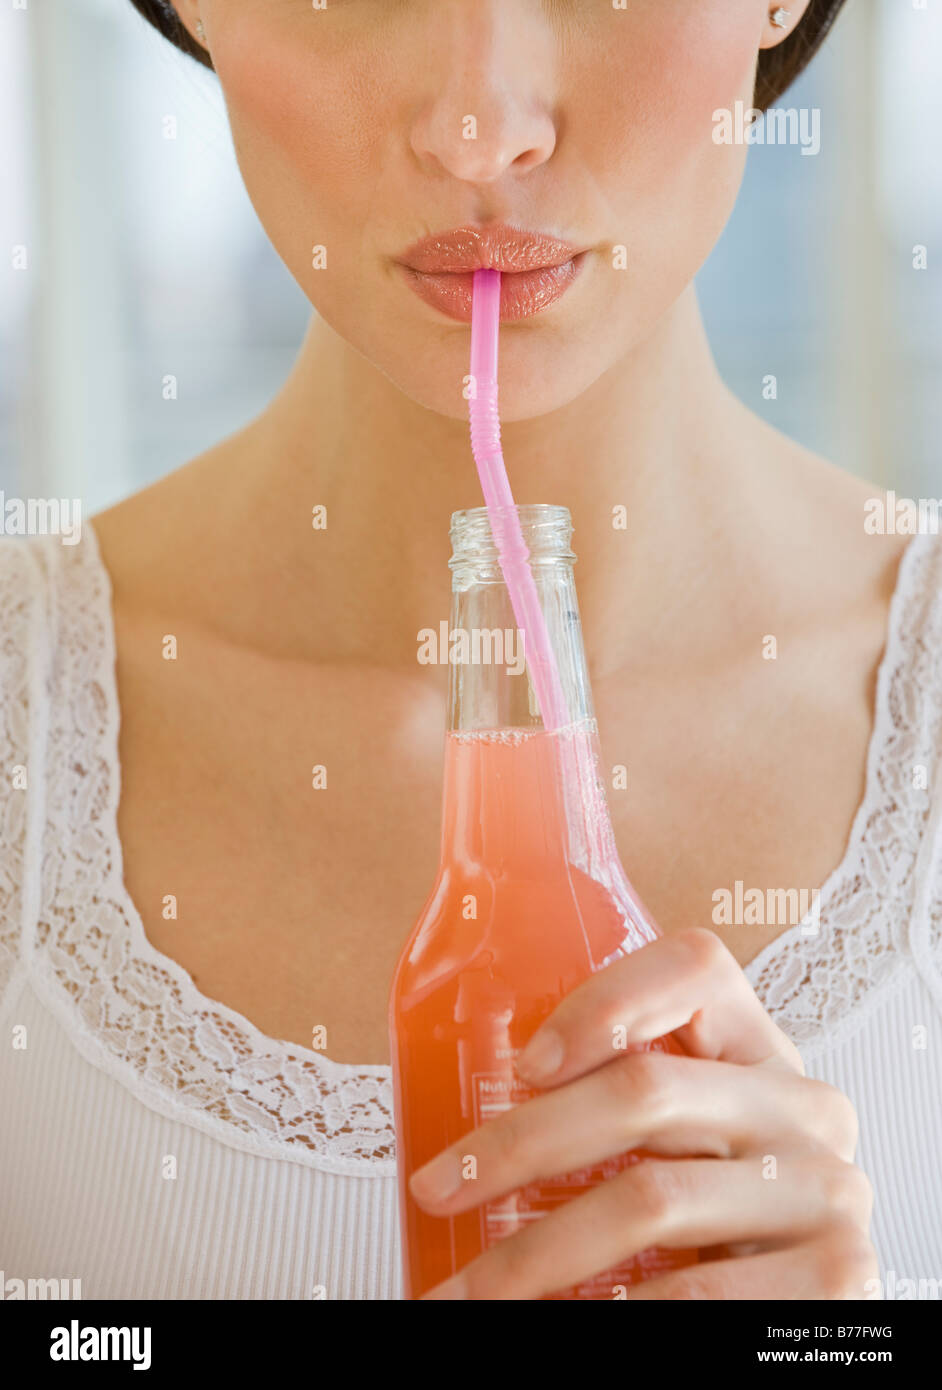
[(536, 268), (523, 293)]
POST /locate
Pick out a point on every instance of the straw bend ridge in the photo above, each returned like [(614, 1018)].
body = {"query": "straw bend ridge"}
[(505, 523)]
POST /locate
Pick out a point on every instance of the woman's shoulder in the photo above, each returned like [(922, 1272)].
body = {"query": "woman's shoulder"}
[(879, 548), (24, 606), (39, 575), (26, 566), (907, 785), (908, 724), (920, 583), (907, 810), (22, 573), (53, 599), (914, 642)]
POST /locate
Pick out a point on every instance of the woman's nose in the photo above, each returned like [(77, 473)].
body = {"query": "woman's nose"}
[(489, 81)]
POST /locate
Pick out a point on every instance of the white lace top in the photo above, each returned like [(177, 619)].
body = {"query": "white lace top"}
[(155, 1144)]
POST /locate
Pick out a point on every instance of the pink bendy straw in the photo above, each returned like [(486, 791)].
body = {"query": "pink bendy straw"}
[(514, 563), (505, 523)]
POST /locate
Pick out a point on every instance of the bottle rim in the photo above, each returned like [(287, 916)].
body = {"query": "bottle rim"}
[(547, 532)]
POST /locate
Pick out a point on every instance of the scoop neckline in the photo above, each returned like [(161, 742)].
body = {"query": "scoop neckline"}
[(875, 743), (142, 943), (323, 1061)]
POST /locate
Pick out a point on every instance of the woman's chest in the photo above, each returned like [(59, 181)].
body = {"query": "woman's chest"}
[(280, 833), (280, 827)]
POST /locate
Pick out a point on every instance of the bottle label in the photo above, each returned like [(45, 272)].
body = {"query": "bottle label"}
[(496, 1091)]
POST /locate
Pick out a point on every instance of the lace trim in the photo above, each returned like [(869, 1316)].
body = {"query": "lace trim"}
[(18, 594), (137, 1012), (821, 988), (138, 1015)]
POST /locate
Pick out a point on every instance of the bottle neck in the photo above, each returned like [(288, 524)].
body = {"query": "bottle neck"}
[(514, 794), (522, 803), (489, 680)]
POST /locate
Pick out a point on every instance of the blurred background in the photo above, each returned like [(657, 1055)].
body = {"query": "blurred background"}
[(131, 253)]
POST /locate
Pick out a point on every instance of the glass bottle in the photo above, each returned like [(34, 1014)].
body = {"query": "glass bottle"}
[(530, 899)]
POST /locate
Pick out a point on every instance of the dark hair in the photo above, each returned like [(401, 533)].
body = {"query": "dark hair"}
[(778, 67)]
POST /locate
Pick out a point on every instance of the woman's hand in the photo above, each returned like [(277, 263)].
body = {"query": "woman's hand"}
[(762, 1179)]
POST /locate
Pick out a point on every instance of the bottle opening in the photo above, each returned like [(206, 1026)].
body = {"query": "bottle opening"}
[(547, 533), (492, 684)]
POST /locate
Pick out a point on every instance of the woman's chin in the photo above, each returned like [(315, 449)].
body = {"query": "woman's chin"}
[(534, 377)]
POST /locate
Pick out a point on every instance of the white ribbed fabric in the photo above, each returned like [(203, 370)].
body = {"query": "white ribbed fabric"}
[(897, 1090), (154, 1144), (84, 1194)]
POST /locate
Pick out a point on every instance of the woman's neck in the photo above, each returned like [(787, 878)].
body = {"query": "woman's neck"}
[(658, 441)]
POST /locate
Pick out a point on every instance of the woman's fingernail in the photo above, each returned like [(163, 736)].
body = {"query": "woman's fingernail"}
[(437, 1180), (542, 1056), (452, 1288)]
